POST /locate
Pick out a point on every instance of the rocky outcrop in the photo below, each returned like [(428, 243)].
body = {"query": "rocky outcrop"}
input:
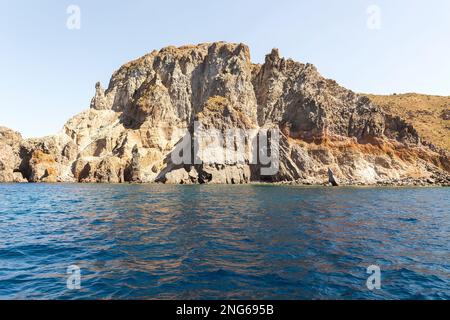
[(9, 156), (445, 114), (331, 179), (154, 107)]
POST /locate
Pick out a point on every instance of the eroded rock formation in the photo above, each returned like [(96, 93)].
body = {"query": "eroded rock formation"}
[(133, 126)]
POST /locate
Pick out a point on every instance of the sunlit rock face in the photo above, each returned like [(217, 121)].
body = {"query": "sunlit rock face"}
[(153, 104)]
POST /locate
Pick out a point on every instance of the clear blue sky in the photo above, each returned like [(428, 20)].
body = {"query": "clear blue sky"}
[(48, 72)]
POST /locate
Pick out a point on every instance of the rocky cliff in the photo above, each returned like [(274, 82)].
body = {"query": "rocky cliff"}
[(152, 104)]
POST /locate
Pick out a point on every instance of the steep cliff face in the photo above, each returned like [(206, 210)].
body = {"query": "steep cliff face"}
[(152, 107), (9, 156)]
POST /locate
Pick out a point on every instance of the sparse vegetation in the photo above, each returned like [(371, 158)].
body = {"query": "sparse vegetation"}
[(424, 112), (216, 103)]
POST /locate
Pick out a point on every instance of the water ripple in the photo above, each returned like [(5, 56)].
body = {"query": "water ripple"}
[(223, 242)]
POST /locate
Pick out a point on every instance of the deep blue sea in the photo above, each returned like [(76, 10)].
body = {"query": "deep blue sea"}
[(223, 242)]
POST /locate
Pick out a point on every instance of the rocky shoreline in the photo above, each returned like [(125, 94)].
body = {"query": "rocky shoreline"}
[(393, 183), (399, 184), (134, 129)]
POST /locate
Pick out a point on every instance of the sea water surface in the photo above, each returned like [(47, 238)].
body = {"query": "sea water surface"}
[(223, 242)]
